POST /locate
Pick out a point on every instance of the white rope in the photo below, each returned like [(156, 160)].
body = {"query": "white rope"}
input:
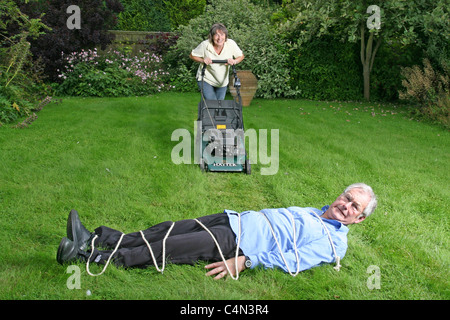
[(163, 249), (294, 244), (236, 277), (220, 250), (107, 262), (337, 258)]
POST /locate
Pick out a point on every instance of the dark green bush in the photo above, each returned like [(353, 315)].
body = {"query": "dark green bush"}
[(181, 12), (97, 17), (143, 15), (327, 69), (386, 79), (157, 15)]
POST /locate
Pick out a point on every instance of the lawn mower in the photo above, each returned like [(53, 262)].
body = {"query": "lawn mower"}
[(220, 137)]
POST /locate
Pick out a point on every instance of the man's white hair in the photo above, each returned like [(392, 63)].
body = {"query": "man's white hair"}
[(371, 206)]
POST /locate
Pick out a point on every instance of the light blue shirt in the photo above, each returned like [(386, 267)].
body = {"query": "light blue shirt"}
[(313, 245)]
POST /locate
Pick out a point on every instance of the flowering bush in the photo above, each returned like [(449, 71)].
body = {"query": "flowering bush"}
[(97, 17), (112, 74)]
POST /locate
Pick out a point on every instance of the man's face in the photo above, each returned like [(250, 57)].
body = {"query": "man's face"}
[(348, 207)]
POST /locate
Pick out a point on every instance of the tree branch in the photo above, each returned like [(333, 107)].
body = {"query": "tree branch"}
[(361, 28), (369, 49), (380, 39)]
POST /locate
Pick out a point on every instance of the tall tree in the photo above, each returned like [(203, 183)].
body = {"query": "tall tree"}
[(370, 22)]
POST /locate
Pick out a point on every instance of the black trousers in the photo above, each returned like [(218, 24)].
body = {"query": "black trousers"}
[(187, 243)]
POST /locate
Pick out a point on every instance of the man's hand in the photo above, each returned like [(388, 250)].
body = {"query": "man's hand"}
[(220, 270)]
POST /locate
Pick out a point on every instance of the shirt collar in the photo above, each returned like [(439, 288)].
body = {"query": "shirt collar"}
[(335, 223), (210, 46)]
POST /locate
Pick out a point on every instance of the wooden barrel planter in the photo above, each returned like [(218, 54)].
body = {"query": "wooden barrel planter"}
[(249, 85)]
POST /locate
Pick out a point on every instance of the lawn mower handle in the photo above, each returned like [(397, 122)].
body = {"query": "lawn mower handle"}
[(219, 61)]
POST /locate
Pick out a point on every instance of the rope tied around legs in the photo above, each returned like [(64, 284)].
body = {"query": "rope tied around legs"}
[(220, 250), (234, 277), (163, 249), (109, 259)]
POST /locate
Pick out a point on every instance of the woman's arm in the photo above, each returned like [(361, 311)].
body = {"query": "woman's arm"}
[(200, 59)]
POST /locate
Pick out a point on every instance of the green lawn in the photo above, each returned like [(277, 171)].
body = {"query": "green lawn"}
[(111, 160)]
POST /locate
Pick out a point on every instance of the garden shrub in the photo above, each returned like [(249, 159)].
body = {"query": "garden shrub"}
[(21, 85), (385, 78), (157, 15), (13, 100), (249, 25), (143, 15), (429, 91), (98, 16), (111, 74), (181, 12), (327, 69)]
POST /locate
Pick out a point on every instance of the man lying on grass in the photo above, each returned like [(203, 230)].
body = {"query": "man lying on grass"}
[(293, 239)]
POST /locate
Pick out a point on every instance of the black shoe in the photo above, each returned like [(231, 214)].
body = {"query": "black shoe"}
[(77, 232), (68, 251)]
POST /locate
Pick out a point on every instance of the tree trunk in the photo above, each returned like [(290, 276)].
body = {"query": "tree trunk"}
[(367, 58), (366, 77)]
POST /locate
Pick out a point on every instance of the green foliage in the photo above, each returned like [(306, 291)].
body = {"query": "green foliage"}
[(408, 24), (267, 57), (429, 91), (18, 52), (157, 15), (12, 16), (97, 17), (8, 112), (386, 79), (143, 15), (430, 22), (111, 74), (181, 12), (327, 69), (184, 79), (249, 26), (20, 81)]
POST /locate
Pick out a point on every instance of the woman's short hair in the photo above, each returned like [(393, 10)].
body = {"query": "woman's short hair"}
[(213, 30)]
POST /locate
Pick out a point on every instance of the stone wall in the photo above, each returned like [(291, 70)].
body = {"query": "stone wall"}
[(132, 39)]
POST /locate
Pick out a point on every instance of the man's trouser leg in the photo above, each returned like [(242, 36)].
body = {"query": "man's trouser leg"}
[(187, 243)]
